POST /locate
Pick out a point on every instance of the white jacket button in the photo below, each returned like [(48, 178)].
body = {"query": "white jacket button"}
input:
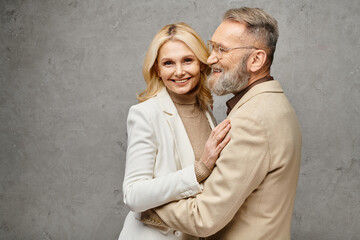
[(177, 233)]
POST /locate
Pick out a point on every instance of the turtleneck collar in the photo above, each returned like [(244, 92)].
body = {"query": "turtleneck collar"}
[(183, 99)]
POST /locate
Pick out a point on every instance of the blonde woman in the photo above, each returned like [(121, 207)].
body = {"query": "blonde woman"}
[(172, 139)]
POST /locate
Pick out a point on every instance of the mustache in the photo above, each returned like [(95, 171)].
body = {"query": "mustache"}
[(216, 67)]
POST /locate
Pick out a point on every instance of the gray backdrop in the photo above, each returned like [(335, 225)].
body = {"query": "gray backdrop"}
[(70, 71)]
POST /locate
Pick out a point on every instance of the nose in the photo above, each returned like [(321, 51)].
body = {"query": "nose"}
[(212, 59), (179, 71)]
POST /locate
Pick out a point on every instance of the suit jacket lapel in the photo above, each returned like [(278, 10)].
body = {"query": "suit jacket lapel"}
[(211, 119), (270, 86), (184, 154)]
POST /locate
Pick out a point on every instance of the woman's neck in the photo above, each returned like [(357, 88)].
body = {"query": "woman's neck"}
[(186, 99)]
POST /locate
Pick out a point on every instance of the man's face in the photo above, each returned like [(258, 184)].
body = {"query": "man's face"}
[(229, 69)]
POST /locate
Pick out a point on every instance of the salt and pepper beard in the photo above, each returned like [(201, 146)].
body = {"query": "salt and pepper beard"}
[(230, 81)]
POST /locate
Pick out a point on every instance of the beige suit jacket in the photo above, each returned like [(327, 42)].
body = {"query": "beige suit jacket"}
[(251, 192)]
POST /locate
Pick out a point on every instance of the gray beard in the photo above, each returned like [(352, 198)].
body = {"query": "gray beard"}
[(230, 81)]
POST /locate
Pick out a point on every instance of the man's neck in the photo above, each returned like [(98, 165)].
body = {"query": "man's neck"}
[(258, 76)]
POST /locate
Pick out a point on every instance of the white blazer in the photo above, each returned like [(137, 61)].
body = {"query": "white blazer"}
[(159, 164)]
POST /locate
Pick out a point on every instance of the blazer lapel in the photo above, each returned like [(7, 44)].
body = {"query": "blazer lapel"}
[(211, 119), (184, 154), (270, 86)]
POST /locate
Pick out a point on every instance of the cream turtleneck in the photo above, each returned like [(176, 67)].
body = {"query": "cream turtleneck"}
[(196, 125)]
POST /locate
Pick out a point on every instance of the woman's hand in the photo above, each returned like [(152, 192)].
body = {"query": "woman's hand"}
[(215, 144)]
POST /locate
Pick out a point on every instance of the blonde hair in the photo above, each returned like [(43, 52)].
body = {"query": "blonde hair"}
[(184, 33), (260, 25)]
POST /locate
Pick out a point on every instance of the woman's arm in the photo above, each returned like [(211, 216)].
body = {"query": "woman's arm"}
[(217, 140), (142, 191)]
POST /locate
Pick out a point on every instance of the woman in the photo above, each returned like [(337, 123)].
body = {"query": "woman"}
[(169, 152)]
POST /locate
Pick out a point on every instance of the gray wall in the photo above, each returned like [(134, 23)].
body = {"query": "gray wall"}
[(69, 71)]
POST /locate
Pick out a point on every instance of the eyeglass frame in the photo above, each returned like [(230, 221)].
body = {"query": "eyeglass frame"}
[(221, 50)]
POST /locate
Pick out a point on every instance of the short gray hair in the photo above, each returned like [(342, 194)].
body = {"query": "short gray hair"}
[(260, 25)]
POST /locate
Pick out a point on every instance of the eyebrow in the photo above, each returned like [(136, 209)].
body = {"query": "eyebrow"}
[(186, 56), (218, 44)]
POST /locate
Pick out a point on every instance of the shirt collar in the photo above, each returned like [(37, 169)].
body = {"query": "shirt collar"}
[(234, 100)]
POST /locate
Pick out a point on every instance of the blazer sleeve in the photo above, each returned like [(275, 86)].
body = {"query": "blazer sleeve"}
[(241, 167), (141, 191)]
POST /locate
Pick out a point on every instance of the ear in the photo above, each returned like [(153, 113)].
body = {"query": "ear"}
[(257, 60)]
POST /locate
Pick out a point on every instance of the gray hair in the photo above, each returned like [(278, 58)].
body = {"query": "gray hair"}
[(260, 25)]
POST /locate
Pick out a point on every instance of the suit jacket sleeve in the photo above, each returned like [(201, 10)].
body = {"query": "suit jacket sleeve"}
[(241, 167), (141, 190)]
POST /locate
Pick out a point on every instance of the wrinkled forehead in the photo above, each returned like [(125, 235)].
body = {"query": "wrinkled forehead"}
[(229, 33)]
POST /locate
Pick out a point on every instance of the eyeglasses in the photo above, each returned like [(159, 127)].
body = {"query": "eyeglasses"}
[(220, 50)]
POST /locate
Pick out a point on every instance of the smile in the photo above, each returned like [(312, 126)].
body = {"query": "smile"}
[(216, 70), (180, 80)]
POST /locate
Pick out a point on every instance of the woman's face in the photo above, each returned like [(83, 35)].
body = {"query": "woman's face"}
[(178, 67)]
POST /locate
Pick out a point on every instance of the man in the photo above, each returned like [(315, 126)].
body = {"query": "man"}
[(250, 193)]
